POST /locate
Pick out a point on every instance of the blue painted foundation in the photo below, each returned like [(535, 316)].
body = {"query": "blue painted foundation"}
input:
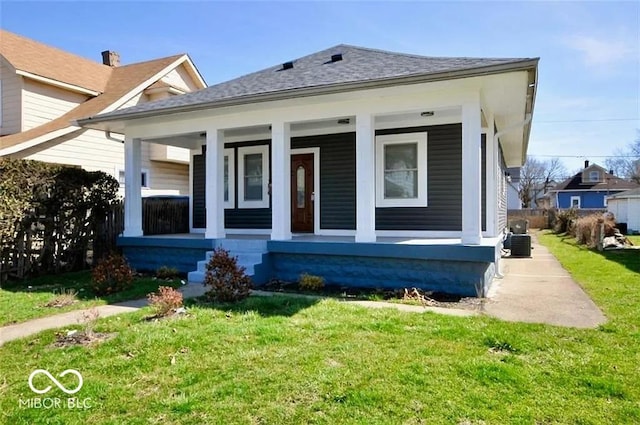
[(455, 269), (149, 253)]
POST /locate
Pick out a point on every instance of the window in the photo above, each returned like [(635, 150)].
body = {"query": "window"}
[(253, 177), (229, 178), (144, 178), (594, 176), (401, 170), (575, 202)]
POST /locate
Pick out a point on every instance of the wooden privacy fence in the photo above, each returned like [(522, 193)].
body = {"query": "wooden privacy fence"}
[(545, 218), (53, 245)]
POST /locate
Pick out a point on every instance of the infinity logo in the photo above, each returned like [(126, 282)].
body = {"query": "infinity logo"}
[(55, 381)]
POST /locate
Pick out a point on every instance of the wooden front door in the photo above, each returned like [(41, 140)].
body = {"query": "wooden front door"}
[(302, 193)]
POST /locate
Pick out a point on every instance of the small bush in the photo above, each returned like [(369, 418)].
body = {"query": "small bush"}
[(165, 272), (112, 274), (64, 298), (309, 282), (565, 220), (165, 301), (227, 280), (587, 228)]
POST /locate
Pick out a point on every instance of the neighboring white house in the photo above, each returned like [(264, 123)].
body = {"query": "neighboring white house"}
[(625, 206), (43, 90)]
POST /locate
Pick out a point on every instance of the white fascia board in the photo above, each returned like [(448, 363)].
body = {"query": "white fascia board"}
[(57, 83), (140, 87), (38, 140), (427, 96)]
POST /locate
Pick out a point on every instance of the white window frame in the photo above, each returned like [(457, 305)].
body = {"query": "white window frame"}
[(571, 202), (394, 139), (249, 150), (144, 172), (231, 202), (596, 174)]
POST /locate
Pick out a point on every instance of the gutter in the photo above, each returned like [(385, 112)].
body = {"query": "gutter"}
[(525, 65)]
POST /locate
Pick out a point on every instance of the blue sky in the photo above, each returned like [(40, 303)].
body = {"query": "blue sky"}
[(588, 101)]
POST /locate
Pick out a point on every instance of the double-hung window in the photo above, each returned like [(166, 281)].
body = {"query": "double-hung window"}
[(401, 170), (253, 177)]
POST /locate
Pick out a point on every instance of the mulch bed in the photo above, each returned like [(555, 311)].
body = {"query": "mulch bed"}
[(407, 295), (71, 338)]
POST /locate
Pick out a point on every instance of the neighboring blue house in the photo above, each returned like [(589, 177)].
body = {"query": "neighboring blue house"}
[(588, 188), (368, 168)]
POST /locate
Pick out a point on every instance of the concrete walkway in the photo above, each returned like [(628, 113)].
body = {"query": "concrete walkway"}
[(539, 290), (536, 290)]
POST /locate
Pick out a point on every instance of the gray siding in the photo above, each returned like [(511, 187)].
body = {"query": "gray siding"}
[(337, 178), (199, 178), (247, 218), (444, 180)]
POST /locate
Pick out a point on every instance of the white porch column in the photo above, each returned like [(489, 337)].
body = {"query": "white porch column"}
[(214, 184), (280, 181), (365, 179), (132, 187), (471, 173), (491, 177)]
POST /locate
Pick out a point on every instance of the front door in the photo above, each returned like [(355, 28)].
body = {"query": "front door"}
[(302, 193)]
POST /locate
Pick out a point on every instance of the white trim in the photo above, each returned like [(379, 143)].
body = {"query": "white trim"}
[(192, 153), (572, 199), (57, 83), (316, 184), (248, 150), (335, 232), (419, 233), (280, 182), (231, 202), (132, 189), (38, 140), (198, 231), (144, 171), (231, 232), (471, 172), (420, 139)]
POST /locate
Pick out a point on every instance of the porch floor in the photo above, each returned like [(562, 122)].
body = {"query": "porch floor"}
[(340, 239)]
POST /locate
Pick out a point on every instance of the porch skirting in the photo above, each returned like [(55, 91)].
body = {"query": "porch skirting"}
[(444, 267)]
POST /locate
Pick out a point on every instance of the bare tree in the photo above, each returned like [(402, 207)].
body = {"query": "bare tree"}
[(536, 177), (627, 165)]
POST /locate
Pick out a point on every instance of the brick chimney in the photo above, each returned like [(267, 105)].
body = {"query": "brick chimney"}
[(110, 58), (586, 163)]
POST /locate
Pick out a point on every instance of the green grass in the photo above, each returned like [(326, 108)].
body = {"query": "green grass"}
[(25, 300), (283, 360)]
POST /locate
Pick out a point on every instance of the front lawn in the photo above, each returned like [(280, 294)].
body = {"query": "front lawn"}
[(283, 360), (26, 300)]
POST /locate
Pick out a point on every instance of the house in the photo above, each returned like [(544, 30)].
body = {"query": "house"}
[(625, 207), (44, 90), (513, 195), (367, 167), (588, 188)]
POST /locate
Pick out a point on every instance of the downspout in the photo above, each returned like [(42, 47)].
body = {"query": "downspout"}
[(515, 126)]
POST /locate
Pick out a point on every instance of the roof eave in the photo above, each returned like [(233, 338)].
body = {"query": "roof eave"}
[(525, 65)]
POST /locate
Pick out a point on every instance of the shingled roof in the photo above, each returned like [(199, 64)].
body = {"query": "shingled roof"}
[(340, 67), (610, 182), (39, 59), (112, 84)]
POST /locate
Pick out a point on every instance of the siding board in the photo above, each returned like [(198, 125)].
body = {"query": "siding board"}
[(11, 100), (444, 180)]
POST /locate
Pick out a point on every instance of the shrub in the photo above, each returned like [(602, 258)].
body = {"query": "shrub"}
[(64, 298), (227, 280), (309, 282), (585, 229), (165, 301), (565, 220), (165, 272), (112, 274)]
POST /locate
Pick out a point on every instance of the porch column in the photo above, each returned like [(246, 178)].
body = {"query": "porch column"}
[(214, 184), (280, 181), (491, 177), (365, 179), (471, 173), (132, 187)]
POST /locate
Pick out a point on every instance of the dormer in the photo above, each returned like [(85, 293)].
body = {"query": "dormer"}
[(593, 174)]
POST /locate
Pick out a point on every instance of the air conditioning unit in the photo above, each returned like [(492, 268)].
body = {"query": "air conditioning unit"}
[(521, 245)]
